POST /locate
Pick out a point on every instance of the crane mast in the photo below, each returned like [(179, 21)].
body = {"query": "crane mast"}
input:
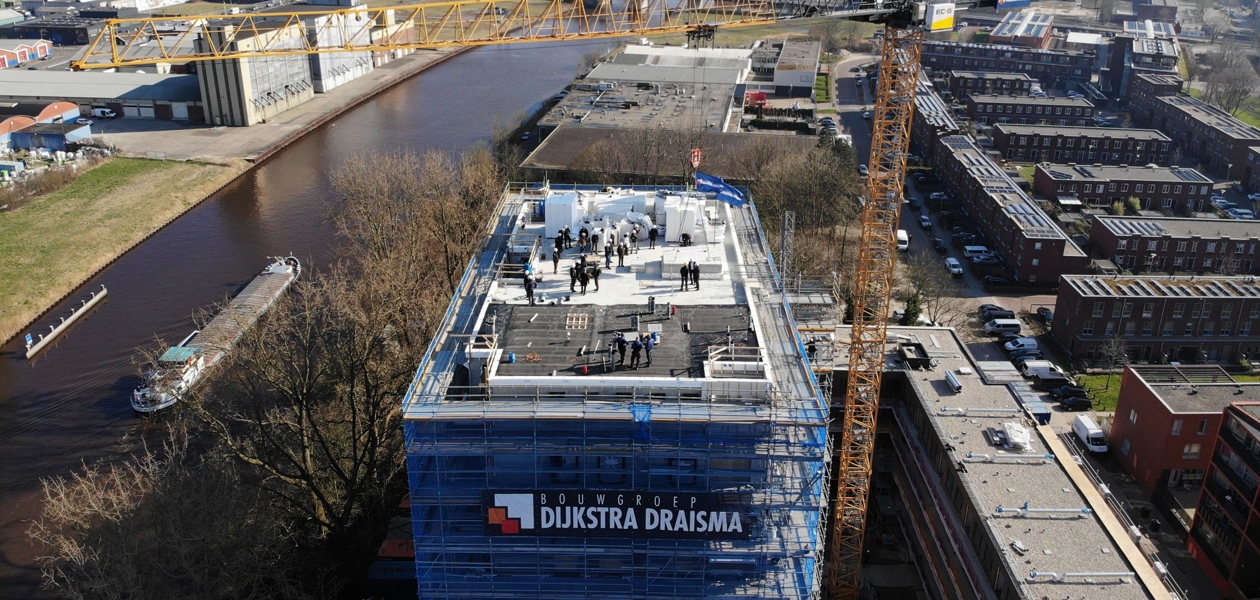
[(872, 292)]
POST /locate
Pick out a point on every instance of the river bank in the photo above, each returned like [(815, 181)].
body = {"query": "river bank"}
[(60, 241)]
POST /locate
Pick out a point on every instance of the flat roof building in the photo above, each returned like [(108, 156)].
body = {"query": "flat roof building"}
[(965, 83), (1030, 110), (1052, 68), (144, 95), (933, 119), (1024, 28), (1029, 241), (1172, 189), (61, 31), (1144, 90), (1174, 245), (1063, 144), (1214, 137), (1223, 536), (543, 466), (1159, 319)]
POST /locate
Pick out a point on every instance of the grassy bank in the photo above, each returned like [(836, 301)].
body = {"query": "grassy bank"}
[(56, 242)]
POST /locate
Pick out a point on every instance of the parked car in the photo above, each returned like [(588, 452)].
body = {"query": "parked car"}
[(1068, 391), (986, 259), (84, 121), (1221, 203), (998, 280), (1241, 213), (1024, 343), (914, 204), (939, 245), (1076, 403), (925, 222), (827, 122), (1047, 315), (938, 196), (954, 267), (863, 170), (866, 114), (1253, 197), (1007, 337), (984, 308), (1028, 354), (989, 315)]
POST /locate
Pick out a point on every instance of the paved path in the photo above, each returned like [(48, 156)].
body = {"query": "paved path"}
[(175, 140)]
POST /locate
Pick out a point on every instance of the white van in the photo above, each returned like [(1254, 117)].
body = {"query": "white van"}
[(1090, 434), (954, 267), (903, 240), (1002, 326), (103, 113), (970, 251)]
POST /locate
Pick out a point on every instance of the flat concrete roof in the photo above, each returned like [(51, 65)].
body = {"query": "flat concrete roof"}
[(1161, 78), (1122, 173), (1163, 286), (1157, 47), (1052, 542), (799, 55), (1212, 117), (1093, 132), (55, 128), (1024, 23), (1179, 227), (654, 105), (990, 75), (566, 147), (22, 84), (1048, 101), (1202, 389)]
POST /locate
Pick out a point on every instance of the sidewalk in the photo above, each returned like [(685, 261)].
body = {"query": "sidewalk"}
[(180, 140)]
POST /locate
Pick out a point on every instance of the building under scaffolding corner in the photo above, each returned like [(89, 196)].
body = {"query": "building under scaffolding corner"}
[(543, 464)]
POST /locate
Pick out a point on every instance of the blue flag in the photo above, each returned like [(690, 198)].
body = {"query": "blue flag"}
[(725, 191)]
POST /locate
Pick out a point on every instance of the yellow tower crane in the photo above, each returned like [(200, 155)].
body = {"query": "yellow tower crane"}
[(145, 41)]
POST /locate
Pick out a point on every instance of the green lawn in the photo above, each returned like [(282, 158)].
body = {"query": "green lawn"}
[(1247, 378), (1250, 113), (1104, 396), (1027, 172)]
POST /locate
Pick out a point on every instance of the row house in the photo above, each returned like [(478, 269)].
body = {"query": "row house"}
[(1144, 91), (1171, 189), (1214, 137), (966, 83), (1051, 67), (1030, 110), (1064, 144), (1158, 319), (1175, 245), (1029, 241)]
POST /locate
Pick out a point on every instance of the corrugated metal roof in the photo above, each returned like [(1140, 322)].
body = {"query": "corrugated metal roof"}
[(618, 72), (16, 84)]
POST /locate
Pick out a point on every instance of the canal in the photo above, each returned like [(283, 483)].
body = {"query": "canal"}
[(71, 404)]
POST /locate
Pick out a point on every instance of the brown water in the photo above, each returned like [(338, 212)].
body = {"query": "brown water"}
[(71, 404)]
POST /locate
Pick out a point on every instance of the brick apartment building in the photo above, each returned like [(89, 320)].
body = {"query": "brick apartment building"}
[(1170, 189), (1211, 135), (1064, 144), (933, 119), (1144, 91), (1029, 110), (1178, 246), (1225, 533), (1035, 249), (1024, 28), (966, 83), (1159, 319), (1050, 67), (1130, 57), (1164, 428), (1251, 170)]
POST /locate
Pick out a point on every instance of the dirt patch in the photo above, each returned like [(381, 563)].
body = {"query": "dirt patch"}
[(58, 241)]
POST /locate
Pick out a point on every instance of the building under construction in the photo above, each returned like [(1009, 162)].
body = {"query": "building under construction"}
[(548, 458)]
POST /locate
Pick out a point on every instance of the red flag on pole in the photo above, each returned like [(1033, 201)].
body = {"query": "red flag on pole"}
[(695, 158)]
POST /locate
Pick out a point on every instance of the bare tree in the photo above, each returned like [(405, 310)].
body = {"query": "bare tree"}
[(938, 290), (1112, 353), (1215, 24), (1191, 64), (178, 523), (1233, 80), (829, 34)]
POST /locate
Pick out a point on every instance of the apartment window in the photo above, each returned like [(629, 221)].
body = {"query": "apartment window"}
[(1098, 309), (1151, 245), (1224, 332), (1122, 244), (1203, 426), (1197, 309), (1162, 189), (1115, 309), (1139, 187), (1124, 446), (1207, 263), (1239, 247), (1211, 247), (1177, 261), (1203, 191), (1088, 328), (1191, 451), (1167, 203), (1176, 190), (1148, 310), (1245, 328), (1133, 416), (1181, 246), (1023, 140), (1227, 310), (1194, 246), (1037, 246), (1124, 187), (1177, 424), (1168, 330), (1208, 328), (1036, 262), (1130, 328), (1255, 311), (1111, 328), (1148, 328), (1179, 309), (1111, 187), (1189, 331)]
